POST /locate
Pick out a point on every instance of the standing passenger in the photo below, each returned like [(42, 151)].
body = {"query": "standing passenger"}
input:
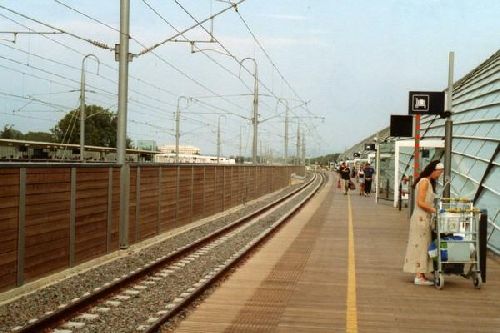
[(361, 180), (345, 174), (369, 171), (417, 260)]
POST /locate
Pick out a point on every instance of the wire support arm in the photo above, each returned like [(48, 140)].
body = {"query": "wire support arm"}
[(99, 44), (151, 48)]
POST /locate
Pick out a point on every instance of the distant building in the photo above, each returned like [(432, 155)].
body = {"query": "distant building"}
[(147, 145), (12, 150), (192, 159), (189, 150)]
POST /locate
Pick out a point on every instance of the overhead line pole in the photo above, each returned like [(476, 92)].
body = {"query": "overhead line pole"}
[(298, 143), (303, 149), (241, 156), (177, 127), (218, 137), (82, 105), (123, 58), (255, 117), (255, 113), (285, 152)]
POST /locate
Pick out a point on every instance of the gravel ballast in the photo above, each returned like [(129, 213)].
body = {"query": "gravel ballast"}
[(36, 304)]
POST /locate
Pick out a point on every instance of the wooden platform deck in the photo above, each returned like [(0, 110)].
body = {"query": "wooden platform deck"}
[(312, 278)]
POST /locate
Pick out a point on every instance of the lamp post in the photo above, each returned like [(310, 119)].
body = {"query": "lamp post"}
[(82, 105), (255, 119), (177, 126)]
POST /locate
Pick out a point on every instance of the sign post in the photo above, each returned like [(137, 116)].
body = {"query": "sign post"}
[(423, 102), (416, 153)]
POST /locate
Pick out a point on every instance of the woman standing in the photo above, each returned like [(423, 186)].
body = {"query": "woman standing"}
[(361, 180), (417, 260)]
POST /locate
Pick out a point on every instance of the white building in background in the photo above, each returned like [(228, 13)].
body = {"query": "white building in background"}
[(170, 149), (147, 145), (188, 154), (192, 159)]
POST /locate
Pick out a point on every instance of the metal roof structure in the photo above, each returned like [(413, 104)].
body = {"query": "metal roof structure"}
[(476, 142)]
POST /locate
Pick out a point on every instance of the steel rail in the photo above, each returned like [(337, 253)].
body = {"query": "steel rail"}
[(239, 257), (53, 319)]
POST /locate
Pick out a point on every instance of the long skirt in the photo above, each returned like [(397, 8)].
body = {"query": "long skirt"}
[(417, 259)]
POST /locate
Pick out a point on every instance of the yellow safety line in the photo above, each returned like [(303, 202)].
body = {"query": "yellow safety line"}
[(352, 312)]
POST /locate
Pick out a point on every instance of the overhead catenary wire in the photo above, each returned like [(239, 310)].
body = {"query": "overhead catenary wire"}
[(161, 58), (133, 100), (113, 28), (140, 80), (194, 44), (78, 69), (83, 54), (224, 48), (198, 23), (234, 57), (101, 45), (58, 107), (27, 116), (36, 76), (275, 67), (268, 56), (149, 105), (55, 74)]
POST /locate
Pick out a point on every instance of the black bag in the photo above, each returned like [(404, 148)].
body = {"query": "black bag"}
[(351, 185)]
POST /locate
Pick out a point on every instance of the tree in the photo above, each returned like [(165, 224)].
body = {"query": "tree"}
[(9, 132), (39, 136), (100, 127)]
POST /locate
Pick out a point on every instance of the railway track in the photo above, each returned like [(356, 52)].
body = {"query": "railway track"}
[(147, 297)]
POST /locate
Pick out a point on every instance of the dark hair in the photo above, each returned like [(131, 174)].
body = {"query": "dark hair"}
[(426, 173)]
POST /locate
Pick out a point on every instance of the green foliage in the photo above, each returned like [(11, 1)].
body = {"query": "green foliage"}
[(9, 132), (39, 136), (100, 127)]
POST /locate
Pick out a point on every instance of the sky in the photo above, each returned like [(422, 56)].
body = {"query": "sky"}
[(342, 67)]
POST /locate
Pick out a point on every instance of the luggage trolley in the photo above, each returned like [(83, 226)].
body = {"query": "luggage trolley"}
[(457, 242)]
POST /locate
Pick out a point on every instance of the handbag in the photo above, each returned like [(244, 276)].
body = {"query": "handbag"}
[(351, 185)]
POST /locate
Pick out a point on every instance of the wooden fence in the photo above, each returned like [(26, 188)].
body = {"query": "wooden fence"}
[(57, 216)]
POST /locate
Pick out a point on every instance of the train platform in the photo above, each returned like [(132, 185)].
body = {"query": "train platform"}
[(337, 267)]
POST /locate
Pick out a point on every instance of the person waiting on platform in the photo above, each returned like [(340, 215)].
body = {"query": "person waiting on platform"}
[(417, 260), (361, 180), (369, 171), (345, 174)]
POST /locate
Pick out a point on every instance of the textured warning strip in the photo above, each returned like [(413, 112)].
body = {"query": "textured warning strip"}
[(291, 284), (298, 281)]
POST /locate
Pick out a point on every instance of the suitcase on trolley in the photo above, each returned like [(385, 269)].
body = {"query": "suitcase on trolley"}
[(457, 241)]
